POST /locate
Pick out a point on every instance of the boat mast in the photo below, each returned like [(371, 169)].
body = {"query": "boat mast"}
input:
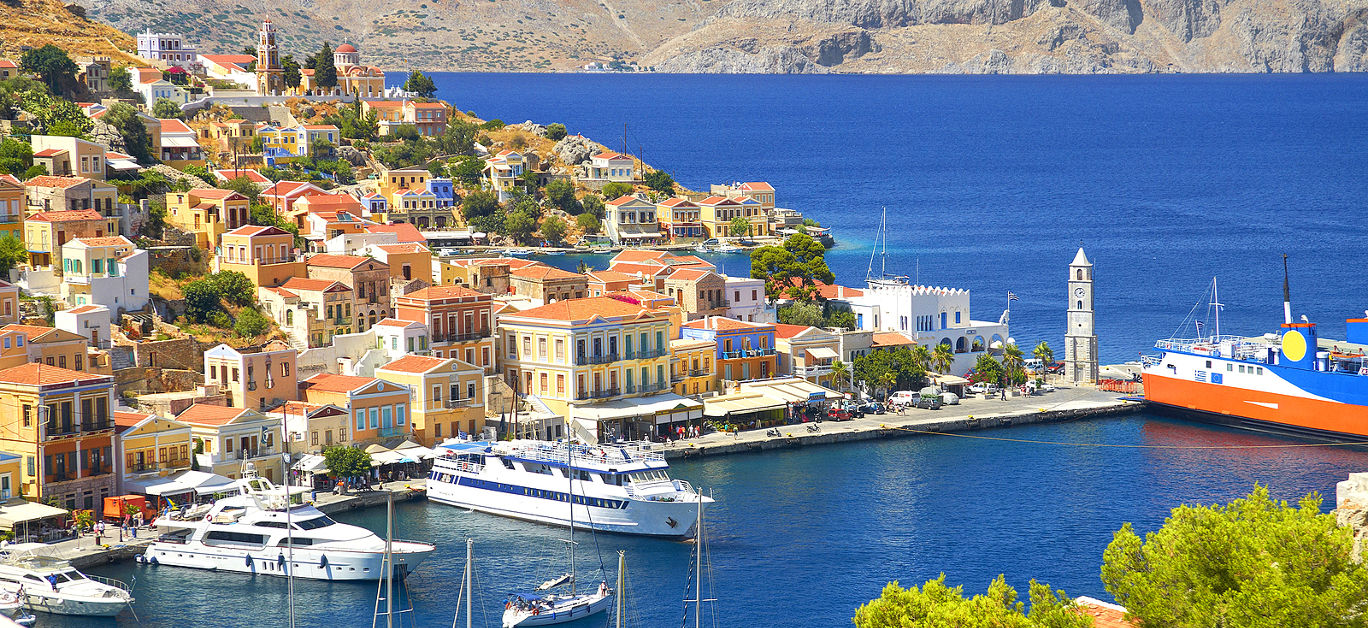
[(469, 574), (289, 535), (388, 562), (1216, 305), (698, 565), (1287, 295), (621, 585), (569, 473)]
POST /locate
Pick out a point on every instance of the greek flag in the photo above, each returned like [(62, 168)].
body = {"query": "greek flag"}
[(1011, 296)]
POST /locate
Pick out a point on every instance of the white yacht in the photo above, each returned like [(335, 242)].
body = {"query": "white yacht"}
[(253, 532), (623, 488), (52, 585)]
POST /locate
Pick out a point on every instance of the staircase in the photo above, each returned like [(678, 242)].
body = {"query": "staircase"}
[(121, 358)]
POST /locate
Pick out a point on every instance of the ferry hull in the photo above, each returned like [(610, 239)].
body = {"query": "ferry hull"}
[(640, 518), (1259, 410), (307, 563)]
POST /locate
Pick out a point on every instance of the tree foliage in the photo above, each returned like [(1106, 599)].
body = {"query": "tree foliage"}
[(593, 204), (16, 156), (290, 71), (52, 65), (421, 85), (805, 314), (738, 227), (200, 300), (55, 115), (137, 141), (1252, 562), (660, 181), (555, 131), (935, 605), (943, 358), (800, 258), (986, 369), (561, 193), (520, 224), (165, 108), (616, 189), (325, 72), (458, 139), (481, 203), (251, 323), (121, 80), (346, 462), (12, 252), (898, 366), (588, 223), (1044, 353), (467, 170), (553, 229)]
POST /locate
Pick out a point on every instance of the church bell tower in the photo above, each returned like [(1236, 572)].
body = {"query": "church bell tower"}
[(270, 75), (1080, 340)]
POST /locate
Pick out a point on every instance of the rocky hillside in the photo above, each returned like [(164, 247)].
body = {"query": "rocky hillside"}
[(793, 36), (32, 23)]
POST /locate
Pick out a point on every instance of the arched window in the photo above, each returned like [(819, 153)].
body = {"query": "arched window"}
[(1079, 274), (1080, 306), (289, 317)]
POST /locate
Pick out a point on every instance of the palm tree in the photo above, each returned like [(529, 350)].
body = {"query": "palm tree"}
[(1012, 357), (887, 381), (1045, 354), (942, 358), (840, 374), (921, 357)]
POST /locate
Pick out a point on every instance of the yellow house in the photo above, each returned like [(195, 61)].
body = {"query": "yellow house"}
[(207, 213), (692, 371), (59, 421), (601, 361), (11, 206), (149, 448), (448, 395), (232, 438), (266, 255), (11, 466), (53, 347)]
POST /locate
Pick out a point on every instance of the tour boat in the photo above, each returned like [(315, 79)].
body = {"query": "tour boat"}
[(254, 532), (49, 584), (1289, 382), (621, 488)]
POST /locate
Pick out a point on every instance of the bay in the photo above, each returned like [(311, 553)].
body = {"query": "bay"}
[(991, 182)]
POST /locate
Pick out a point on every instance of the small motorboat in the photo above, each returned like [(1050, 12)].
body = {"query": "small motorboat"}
[(530, 609)]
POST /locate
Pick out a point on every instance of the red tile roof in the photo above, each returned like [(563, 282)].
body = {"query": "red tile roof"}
[(688, 274), (172, 125), (788, 331), (129, 419), (722, 323), (408, 247), (543, 273), (217, 194), (608, 154), (50, 181), (1104, 615), (313, 285), (49, 152), (37, 374), (444, 292), (328, 382), (86, 309), (581, 309), (105, 241), (340, 261), (677, 202), (638, 255), (252, 175), (611, 276), (757, 186), (890, 339), (207, 415), (394, 322), (66, 216), (414, 364)]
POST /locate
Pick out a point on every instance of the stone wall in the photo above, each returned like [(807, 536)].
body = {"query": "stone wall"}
[(1351, 509)]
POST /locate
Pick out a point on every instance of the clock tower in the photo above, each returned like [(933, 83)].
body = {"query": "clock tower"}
[(1080, 341)]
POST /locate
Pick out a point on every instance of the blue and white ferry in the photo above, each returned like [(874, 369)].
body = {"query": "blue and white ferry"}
[(622, 488)]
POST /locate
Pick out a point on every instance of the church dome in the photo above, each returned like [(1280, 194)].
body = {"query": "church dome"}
[(345, 48)]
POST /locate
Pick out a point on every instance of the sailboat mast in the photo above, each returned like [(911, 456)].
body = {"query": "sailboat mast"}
[(698, 565), (389, 560), (569, 473), (469, 573), (621, 585), (883, 229)]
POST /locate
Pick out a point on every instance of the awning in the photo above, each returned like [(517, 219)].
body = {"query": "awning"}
[(414, 450), (184, 482), (18, 511), (665, 408), (823, 353), (386, 457), (740, 403), (949, 380), (178, 142), (654, 234), (311, 463)]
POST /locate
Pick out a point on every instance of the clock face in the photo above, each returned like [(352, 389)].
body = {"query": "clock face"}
[(1079, 291)]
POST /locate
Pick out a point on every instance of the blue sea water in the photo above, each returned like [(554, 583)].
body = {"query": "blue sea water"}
[(990, 183)]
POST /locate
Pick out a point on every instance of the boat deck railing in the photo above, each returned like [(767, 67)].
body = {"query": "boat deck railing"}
[(462, 466), (586, 454), (118, 584)]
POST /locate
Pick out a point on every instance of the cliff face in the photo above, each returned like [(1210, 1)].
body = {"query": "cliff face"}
[(794, 36), (32, 23)]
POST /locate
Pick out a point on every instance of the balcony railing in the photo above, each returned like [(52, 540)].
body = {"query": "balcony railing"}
[(748, 353), (55, 430), (646, 354), (645, 388), (813, 371), (248, 454), (465, 337), (604, 358), (142, 467), (598, 394), (386, 432)]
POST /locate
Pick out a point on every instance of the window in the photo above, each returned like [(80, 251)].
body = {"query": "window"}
[(399, 414), (374, 418), (360, 419)]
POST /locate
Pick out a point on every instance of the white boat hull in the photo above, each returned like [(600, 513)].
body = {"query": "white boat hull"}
[(314, 564), (646, 518), (560, 613), (81, 606)]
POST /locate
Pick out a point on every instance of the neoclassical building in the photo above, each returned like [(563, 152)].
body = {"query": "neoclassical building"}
[(362, 81)]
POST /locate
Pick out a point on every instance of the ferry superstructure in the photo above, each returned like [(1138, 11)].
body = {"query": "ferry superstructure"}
[(255, 532), (1290, 381), (623, 488)]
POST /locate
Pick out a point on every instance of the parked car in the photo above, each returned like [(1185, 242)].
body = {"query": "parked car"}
[(983, 387), (855, 410), (929, 402), (837, 413), (873, 407), (950, 399)]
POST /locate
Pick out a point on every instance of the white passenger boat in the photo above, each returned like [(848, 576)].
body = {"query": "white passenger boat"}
[(616, 488), (49, 584), (254, 532)]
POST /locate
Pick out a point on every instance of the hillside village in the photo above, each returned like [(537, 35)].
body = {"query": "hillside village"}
[(217, 259)]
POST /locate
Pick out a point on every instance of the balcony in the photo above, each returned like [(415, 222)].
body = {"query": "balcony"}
[(387, 432), (646, 388), (248, 454), (647, 354), (466, 337), (817, 370), (142, 467), (748, 353), (598, 394), (55, 430), (596, 359)]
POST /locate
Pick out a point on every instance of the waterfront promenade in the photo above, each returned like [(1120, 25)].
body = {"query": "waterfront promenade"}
[(1066, 403)]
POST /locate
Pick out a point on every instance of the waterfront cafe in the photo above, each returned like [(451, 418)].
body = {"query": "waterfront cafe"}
[(405, 459), (31, 521), (186, 487), (640, 418), (770, 402)]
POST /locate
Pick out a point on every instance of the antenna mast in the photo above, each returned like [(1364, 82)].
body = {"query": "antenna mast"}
[(1287, 295)]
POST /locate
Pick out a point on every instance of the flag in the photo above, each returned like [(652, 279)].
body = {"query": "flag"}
[(1011, 296)]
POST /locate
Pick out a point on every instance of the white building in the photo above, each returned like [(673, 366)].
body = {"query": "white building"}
[(929, 316), (167, 49), (91, 321), (610, 166), (746, 300), (108, 271), (631, 220)]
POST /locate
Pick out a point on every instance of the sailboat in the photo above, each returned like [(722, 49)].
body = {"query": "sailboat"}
[(538, 609), (385, 590), (700, 549)]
